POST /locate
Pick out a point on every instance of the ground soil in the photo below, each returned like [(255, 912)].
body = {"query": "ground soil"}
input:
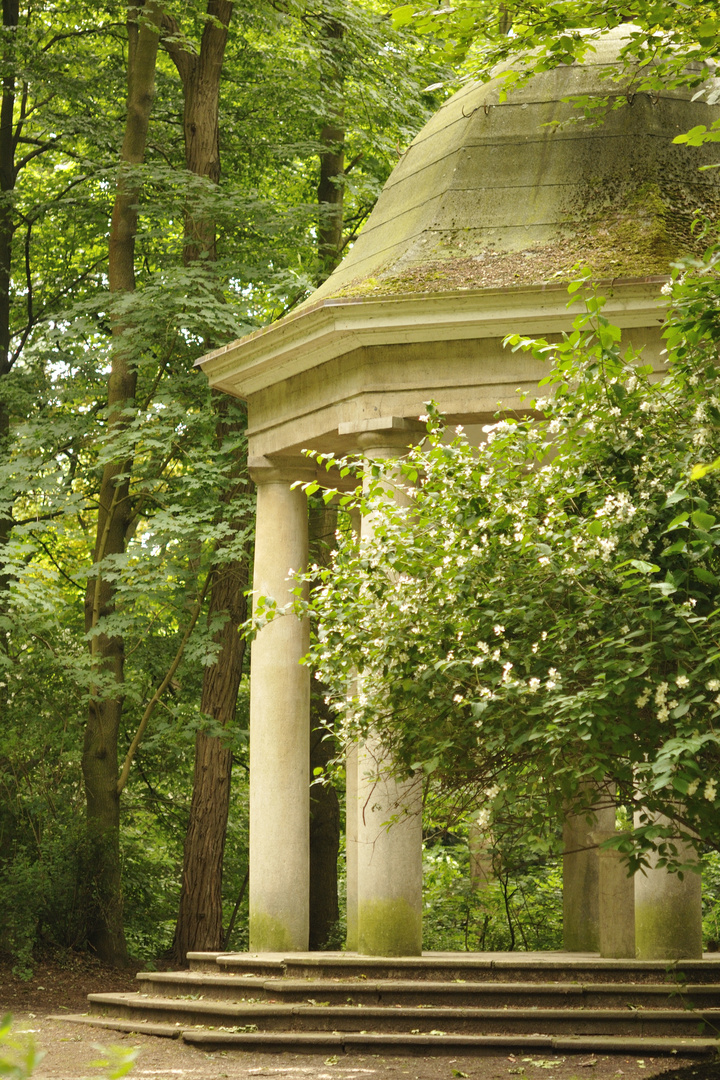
[(70, 1049)]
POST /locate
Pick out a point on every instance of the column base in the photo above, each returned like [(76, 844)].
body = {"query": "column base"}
[(389, 928), (268, 935)]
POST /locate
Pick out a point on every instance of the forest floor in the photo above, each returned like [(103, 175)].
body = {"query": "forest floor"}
[(70, 1049)]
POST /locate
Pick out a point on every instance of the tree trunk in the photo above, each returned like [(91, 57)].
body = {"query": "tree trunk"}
[(100, 754), (324, 832), (199, 925), (331, 189), (324, 803), (7, 185)]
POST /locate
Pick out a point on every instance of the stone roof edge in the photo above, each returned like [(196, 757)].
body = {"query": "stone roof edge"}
[(313, 335)]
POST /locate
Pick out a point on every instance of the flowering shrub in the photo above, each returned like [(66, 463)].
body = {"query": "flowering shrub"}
[(545, 612)]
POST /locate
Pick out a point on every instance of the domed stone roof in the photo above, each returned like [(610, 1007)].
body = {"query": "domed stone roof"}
[(517, 192)]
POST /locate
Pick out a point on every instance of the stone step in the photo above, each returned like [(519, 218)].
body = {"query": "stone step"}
[(407, 1044), (320, 1016), (165, 1031), (399, 992), (242, 963), (472, 967), (425, 1045)]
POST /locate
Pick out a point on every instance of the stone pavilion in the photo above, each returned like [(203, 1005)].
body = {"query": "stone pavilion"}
[(475, 236)]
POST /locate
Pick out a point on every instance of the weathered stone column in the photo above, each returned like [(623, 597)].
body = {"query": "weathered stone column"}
[(389, 886), (279, 718), (581, 878), (616, 901), (481, 863), (389, 858), (668, 912)]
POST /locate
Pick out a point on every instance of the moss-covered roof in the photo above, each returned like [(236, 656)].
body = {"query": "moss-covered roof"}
[(495, 194)]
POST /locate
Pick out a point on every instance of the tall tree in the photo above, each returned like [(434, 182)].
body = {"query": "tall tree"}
[(7, 184), (200, 916), (100, 754)]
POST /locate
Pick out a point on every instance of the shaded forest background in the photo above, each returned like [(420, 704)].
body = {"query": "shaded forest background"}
[(172, 176)]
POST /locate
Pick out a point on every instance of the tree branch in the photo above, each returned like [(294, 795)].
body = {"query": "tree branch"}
[(150, 709), (171, 39)]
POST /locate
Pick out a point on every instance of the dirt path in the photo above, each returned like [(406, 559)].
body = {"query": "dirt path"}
[(70, 1048)]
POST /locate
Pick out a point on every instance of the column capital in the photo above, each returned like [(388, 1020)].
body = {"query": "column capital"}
[(281, 470), (388, 435)]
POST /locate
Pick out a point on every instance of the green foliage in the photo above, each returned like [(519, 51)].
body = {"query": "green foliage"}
[(64, 77), (519, 908), (667, 44), (711, 900), (18, 1056), (548, 604)]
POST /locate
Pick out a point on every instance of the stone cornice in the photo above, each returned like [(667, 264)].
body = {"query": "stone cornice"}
[(313, 335)]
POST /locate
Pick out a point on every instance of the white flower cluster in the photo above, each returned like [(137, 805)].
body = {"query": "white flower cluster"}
[(617, 506)]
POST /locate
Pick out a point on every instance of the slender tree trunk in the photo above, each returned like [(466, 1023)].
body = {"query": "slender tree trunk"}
[(100, 753), (199, 925), (324, 803), (7, 184), (331, 188)]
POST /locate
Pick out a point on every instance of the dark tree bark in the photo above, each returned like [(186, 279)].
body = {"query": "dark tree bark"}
[(199, 926), (324, 832), (8, 176), (331, 188), (324, 803), (100, 752), (200, 917)]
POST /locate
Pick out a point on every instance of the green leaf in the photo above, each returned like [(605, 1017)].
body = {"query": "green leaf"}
[(678, 520), (702, 520), (675, 497), (402, 16), (699, 471), (644, 567)]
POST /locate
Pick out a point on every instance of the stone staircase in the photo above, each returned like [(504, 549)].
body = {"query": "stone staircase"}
[(440, 1003)]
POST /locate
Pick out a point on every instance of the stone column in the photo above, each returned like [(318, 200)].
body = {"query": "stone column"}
[(481, 863), (616, 902), (279, 718), (389, 859), (581, 864), (668, 912), (389, 886)]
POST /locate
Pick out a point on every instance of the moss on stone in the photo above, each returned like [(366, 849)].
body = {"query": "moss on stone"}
[(638, 232), (389, 928), (667, 931), (268, 934)]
